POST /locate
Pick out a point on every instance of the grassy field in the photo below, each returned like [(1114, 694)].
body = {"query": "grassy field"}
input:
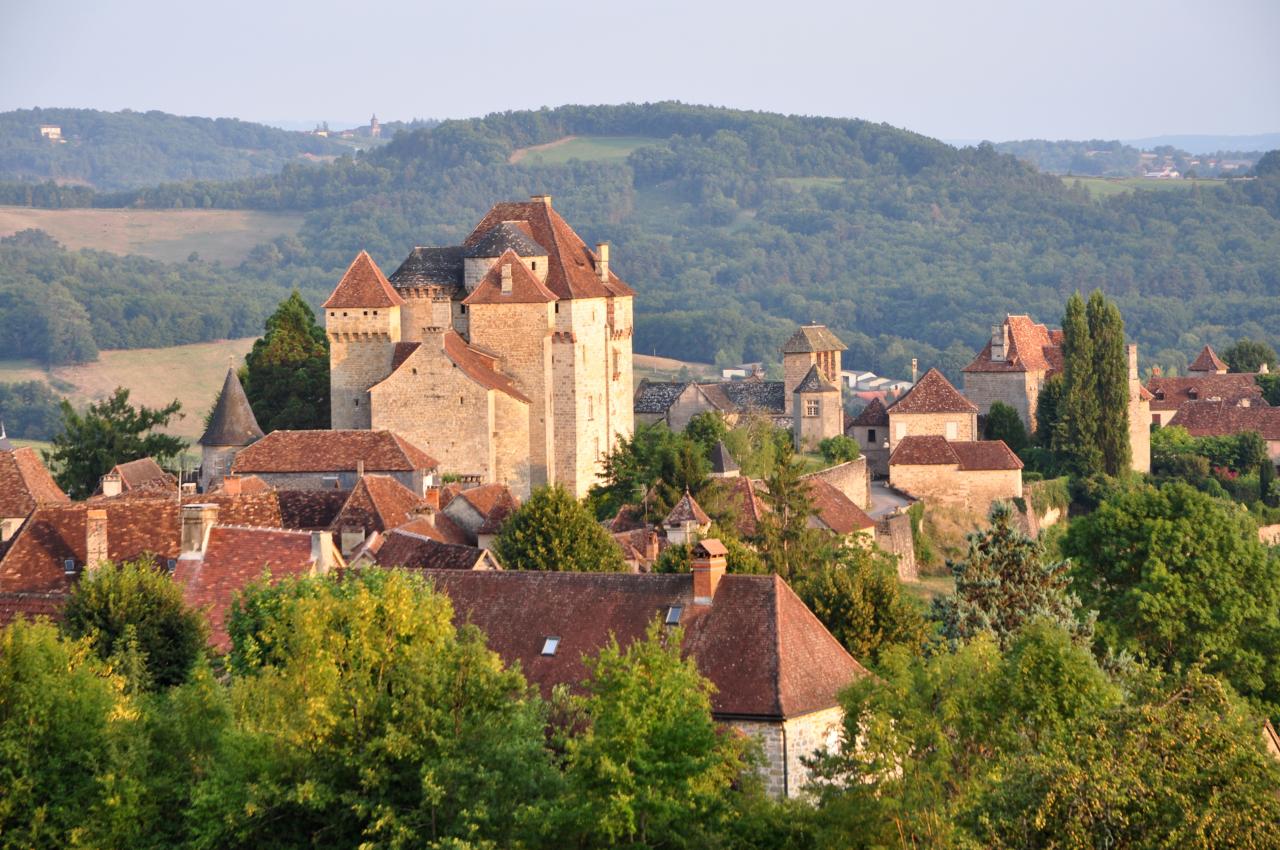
[(1105, 187), (170, 235), (929, 587), (591, 148), (192, 374), (669, 369)]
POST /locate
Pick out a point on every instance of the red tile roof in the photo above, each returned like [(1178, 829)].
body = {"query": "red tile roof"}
[(1208, 361), (1172, 393), (332, 451), (439, 527), (25, 483), (969, 456), (767, 655), (1031, 348), (479, 367), (363, 285), (525, 286), (30, 606), (933, 393), (234, 557), (571, 265), (687, 510), (873, 415), (748, 507), (401, 548), (144, 472), (1220, 418), (836, 510), (377, 503)]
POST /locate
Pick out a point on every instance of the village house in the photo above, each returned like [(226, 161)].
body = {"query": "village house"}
[(932, 407), (334, 460), (25, 484), (232, 427), (413, 550), (507, 357), (136, 476), (377, 504), (1226, 417), (1207, 379), (967, 473), (777, 671), (1207, 362), (870, 429)]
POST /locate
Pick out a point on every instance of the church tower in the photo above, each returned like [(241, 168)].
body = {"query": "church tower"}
[(362, 321), (812, 345)]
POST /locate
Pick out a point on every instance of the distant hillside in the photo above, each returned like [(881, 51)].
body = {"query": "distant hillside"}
[(733, 226), (1205, 144), (1098, 158), (121, 150)]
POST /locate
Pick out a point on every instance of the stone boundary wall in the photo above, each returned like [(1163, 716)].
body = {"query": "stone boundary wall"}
[(851, 479), (893, 535), (1270, 534)]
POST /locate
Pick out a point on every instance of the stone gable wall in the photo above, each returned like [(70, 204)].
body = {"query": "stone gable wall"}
[(809, 431), (946, 484), (784, 745), (1019, 390), (893, 535), (931, 424)]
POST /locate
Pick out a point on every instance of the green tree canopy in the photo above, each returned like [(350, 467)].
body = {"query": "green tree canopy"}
[(109, 432), (1076, 437), (787, 542), (1111, 369), (839, 449), (1004, 423), (286, 374), (553, 531), (1248, 355)]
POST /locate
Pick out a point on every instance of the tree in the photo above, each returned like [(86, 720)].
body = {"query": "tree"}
[(706, 429), (1111, 374), (1004, 423), (1248, 355), (1179, 577), (553, 531), (365, 718), (653, 467), (109, 432), (839, 449), (135, 601), (1268, 165), (858, 597), (286, 374), (1004, 583), (787, 542), (1076, 436), (1048, 406), (651, 768)]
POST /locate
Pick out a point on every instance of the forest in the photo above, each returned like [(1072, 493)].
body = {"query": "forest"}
[(740, 224)]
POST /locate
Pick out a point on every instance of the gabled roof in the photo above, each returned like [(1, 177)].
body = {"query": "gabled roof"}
[(332, 451), (815, 382), (377, 503), (748, 506), (430, 267), (873, 415), (1172, 393), (1221, 418), (478, 367), (721, 460), (1208, 361), (933, 393), (30, 606), (687, 510), (767, 655), (25, 483), (969, 456), (144, 473), (232, 422), (401, 548), (1031, 348), (525, 286), (438, 526), (571, 265), (812, 338), (363, 285), (747, 396), (657, 396), (502, 237), (836, 510)]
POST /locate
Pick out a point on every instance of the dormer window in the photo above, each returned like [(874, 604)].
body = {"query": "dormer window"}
[(550, 645), (673, 615), (69, 566)]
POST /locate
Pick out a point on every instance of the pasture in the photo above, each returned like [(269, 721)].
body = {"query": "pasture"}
[(588, 148), (1105, 187)]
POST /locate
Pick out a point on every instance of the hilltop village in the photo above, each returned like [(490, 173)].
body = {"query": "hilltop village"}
[(477, 378)]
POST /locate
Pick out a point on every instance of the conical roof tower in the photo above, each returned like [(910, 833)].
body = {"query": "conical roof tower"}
[(233, 422)]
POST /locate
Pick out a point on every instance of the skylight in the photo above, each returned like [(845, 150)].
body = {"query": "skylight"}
[(69, 566), (673, 615), (550, 645)]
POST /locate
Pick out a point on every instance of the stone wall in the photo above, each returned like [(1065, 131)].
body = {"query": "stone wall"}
[(215, 462), (1019, 390), (810, 430), (851, 479), (1270, 534), (687, 405), (361, 348), (893, 535), (324, 480), (785, 744), (621, 392), (581, 370), (932, 424), (947, 484)]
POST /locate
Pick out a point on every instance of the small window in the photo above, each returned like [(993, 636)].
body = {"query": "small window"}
[(366, 312), (550, 645), (375, 312), (811, 407), (557, 306), (535, 265), (69, 566), (462, 400), (951, 430), (871, 436), (415, 370), (673, 615), (464, 309), (171, 564), (357, 401), (344, 314)]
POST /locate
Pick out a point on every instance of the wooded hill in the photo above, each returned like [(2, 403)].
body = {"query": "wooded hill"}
[(733, 226)]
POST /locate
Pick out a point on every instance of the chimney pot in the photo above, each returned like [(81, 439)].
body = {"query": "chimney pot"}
[(432, 498), (708, 567), (95, 538), (546, 199), (197, 520), (602, 260)]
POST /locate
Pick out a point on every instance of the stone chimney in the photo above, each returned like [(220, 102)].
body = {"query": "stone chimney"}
[(322, 552), (999, 342), (432, 497), (197, 520), (1133, 361), (506, 278), (708, 568), (359, 469), (602, 260), (651, 546), (545, 199), (112, 484), (232, 485), (915, 371), (95, 538)]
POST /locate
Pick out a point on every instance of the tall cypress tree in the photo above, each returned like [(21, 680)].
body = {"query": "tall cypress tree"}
[(1111, 374), (1076, 434), (286, 375)]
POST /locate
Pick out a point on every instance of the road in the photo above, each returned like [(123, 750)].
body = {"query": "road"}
[(885, 500)]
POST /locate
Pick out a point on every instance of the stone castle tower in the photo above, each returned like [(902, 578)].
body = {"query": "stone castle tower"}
[(232, 426), (508, 357)]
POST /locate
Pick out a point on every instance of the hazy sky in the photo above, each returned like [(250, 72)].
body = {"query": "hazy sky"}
[(957, 70)]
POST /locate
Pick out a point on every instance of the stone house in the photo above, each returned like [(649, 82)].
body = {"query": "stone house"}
[(871, 430), (777, 671), (676, 402), (480, 511), (25, 484), (334, 460), (967, 473), (135, 476), (836, 513), (933, 407), (1168, 394), (687, 522), (377, 504), (1222, 417), (413, 550), (508, 357)]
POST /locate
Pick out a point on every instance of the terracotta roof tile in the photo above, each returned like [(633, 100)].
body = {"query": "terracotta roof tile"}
[(933, 393), (25, 483), (377, 503), (363, 285), (687, 510), (767, 655), (1031, 348), (440, 526), (31, 606), (479, 366), (748, 507), (967, 455), (873, 415), (401, 548), (1208, 361), (1221, 418), (1172, 393), (985, 455), (232, 422), (332, 451), (811, 338), (143, 472), (525, 287), (836, 510)]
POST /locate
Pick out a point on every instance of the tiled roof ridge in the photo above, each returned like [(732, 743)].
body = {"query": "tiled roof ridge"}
[(525, 286), (933, 383), (354, 290), (1207, 361)]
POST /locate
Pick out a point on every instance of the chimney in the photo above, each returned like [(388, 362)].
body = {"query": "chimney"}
[(651, 546), (432, 497), (997, 343), (602, 260), (545, 199), (708, 568), (322, 552), (1133, 361), (112, 484), (915, 371), (506, 278), (95, 538), (197, 520), (1263, 369), (231, 485), (359, 469)]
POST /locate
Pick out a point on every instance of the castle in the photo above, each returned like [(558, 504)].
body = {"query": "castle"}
[(507, 358)]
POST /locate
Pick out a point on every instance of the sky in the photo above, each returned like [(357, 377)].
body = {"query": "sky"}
[(958, 70)]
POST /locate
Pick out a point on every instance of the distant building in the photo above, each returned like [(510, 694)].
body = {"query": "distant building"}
[(1207, 363), (967, 473), (871, 429), (232, 427), (335, 460), (1222, 418), (375, 129), (52, 132), (933, 407)]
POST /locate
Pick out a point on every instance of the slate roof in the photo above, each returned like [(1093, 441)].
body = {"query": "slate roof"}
[(1220, 418), (25, 483), (970, 456), (767, 655), (525, 286), (1031, 348), (571, 271), (762, 396), (377, 503), (687, 510), (502, 237), (401, 548), (657, 396), (232, 422), (721, 460), (815, 382), (933, 393), (872, 416), (431, 267), (1172, 393), (836, 510), (363, 285), (811, 338), (331, 451), (1208, 361)]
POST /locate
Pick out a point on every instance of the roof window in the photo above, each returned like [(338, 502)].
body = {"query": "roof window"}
[(673, 615), (171, 564), (550, 645), (69, 566)]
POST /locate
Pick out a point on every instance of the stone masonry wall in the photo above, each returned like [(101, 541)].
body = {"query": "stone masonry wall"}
[(1019, 390), (851, 479), (785, 744), (580, 369), (946, 484), (811, 430), (687, 405), (893, 535), (361, 348), (927, 424), (510, 439), (316, 480), (621, 391)]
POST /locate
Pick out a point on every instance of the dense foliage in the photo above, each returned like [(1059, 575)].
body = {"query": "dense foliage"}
[(554, 531), (29, 410), (286, 374), (1249, 355), (1091, 419)]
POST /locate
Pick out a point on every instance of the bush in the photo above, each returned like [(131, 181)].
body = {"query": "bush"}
[(839, 449)]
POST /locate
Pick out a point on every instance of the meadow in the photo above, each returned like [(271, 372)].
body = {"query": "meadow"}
[(587, 148), (1105, 187)]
